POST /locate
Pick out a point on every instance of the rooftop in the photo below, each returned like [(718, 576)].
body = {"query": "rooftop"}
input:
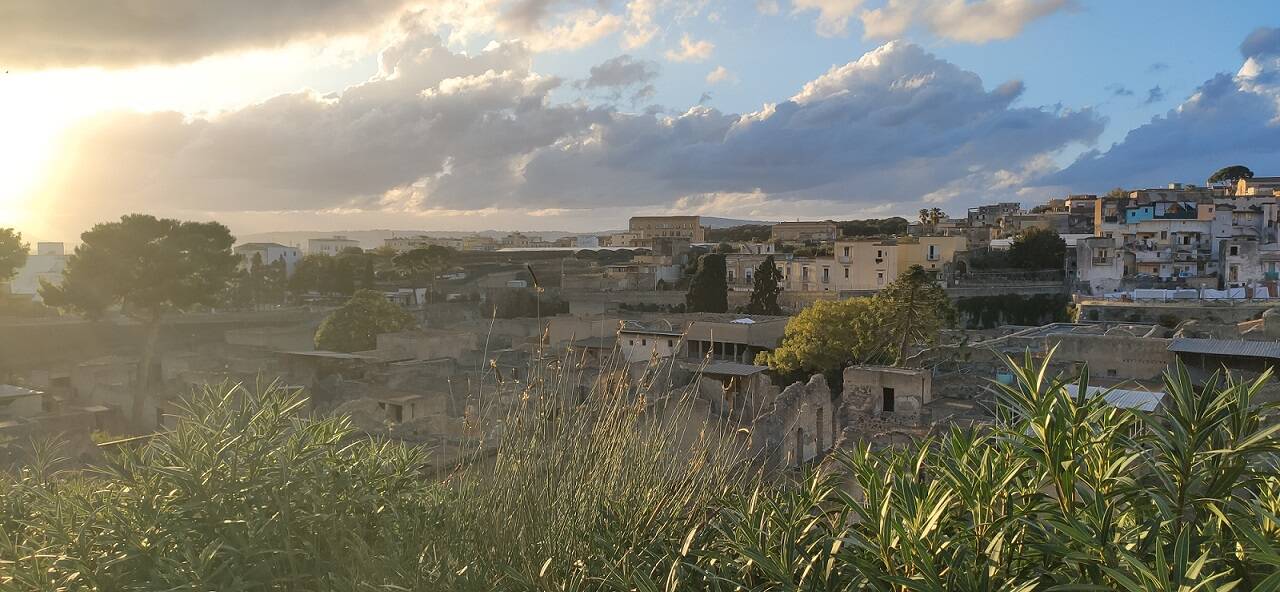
[(1226, 347), (732, 369), (9, 391)]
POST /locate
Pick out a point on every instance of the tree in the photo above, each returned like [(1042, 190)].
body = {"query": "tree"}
[(13, 253), (355, 325), (1229, 175), (709, 288), (914, 308), (828, 335), (146, 266), (765, 288), (1038, 248), (421, 266)]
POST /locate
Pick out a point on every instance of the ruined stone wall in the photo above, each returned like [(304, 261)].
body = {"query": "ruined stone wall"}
[(802, 424)]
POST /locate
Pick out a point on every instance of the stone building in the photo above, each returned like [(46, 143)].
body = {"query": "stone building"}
[(883, 397), (689, 227), (814, 231), (801, 425)]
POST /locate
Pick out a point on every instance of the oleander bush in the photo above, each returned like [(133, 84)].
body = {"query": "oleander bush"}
[(597, 491)]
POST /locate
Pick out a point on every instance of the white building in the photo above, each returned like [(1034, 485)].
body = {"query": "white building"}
[(270, 253), (331, 245), (639, 342), (47, 264)]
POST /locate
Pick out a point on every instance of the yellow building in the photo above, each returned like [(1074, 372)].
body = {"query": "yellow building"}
[(872, 264), (689, 227)]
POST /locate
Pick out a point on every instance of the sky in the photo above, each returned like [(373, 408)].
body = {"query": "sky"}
[(576, 114)]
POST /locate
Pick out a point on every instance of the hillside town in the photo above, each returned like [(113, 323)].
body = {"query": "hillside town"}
[(1126, 284)]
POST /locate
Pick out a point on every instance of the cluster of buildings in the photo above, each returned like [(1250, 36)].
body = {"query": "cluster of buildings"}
[(1183, 236)]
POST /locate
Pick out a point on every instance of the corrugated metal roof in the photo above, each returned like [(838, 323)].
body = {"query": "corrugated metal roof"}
[(1226, 347), (1124, 399)]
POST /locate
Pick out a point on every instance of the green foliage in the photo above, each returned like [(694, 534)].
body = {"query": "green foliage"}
[(742, 233), (258, 283), (986, 312), (914, 309), (766, 286), (421, 266), (247, 493), (355, 325), (709, 288), (514, 304), (822, 250), (874, 227), (13, 253), (323, 274), (1038, 248), (146, 265), (1230, 174), (829, 335)]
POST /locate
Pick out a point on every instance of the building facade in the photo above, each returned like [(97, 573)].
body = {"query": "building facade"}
[(689, 227), (330, 246), (815, 231)]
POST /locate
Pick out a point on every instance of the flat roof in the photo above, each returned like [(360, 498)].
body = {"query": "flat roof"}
[(1125, 399), (1226, 347), (10, 391), (332, 355)]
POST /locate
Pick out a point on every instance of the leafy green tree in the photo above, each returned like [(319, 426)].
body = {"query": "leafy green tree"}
[(13, 253), (709, 288), (355, 325), (1038, 248), (146, 266), (323, 274), (766, 286), (914, 309), (1230, 174), (827, 336), (369, 279)]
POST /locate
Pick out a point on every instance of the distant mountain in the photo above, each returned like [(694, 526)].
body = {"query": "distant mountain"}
[(372, 239), (714, 222)]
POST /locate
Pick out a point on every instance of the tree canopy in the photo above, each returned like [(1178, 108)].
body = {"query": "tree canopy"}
[(766, 286), (13, 253), (1038, 248), (1230, 174), (355, 325), (146, 266), (828, 335), (709, 288)]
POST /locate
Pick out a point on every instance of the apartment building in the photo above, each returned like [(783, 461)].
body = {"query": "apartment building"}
[(689, 227), (872, 264), (402, 244), (816, 231), (331, 245)]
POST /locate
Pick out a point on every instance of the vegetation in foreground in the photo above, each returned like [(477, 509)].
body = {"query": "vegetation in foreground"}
[(1064, 493)]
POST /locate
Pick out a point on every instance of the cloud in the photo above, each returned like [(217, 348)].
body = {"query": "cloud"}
[(1228, 119), (1119, 90), (640, 28), (1154, 95), (1158, 67), (570, 30), (833, 15), (617, 75), (119, 33), (1262, 42), (691, 50), (720, 74), (437, 131), (970, 21)]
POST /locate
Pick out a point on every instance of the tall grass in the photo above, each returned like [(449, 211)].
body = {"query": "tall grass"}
[(614, 490)]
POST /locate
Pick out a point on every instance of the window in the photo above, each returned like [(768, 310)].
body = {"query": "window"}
[(631, 342), (804, 273), (671, 343), (846, 251), (846, 273), (879, 254), (1235, 250), (1112, 373), (887, 395), (730, 275), (933, 252), (644, 342), (1164, 234), (826, 275), (880, 278)]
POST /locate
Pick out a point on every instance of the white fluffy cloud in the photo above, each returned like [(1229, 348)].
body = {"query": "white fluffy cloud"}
[(441, 131), (720, 74), (1229, 119), (691, 50)]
